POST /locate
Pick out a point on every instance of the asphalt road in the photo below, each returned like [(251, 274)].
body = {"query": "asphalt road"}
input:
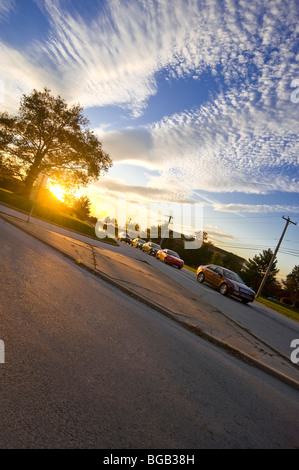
[(87, 367), (277, 330)]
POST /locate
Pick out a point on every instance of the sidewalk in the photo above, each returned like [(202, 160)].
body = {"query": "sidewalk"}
[(161, 293)]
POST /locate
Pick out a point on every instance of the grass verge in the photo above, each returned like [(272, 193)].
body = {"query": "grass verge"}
[(50, 215), (279, 307)]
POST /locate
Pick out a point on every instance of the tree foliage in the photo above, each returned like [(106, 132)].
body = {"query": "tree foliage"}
[(233, 262), (291, 283), (50, 137), (256, 269), (81, 208)]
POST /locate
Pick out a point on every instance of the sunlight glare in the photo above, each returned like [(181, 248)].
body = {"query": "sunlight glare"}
[(57, 191)]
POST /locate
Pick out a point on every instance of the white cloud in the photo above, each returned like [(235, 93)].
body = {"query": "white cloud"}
[(256, 208), (111, 187), (113, 57), (244, 139), (222, 148), (129, 145), (6, 6), (219, 234)]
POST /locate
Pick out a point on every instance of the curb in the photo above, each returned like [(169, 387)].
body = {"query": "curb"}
[(53, 223), (235, 352)]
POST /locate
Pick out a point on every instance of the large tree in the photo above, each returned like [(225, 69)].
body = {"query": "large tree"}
[(256, 269), (48, 136)]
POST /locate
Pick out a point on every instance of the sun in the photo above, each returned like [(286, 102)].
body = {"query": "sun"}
[(57, 191)]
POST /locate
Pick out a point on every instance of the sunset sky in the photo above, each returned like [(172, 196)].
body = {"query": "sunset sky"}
[(196, 101)]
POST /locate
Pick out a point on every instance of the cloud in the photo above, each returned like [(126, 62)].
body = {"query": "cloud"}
[(220, 234), (220, 148), (216, 148), (256, 208), (243, 139), (6, 6), (116, 54), (113, 55), (129, 145), (111, 187)]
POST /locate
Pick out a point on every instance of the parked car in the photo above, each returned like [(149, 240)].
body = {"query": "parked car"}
[(170, 257), (124, 237), (138, 242), (228, 282), (151, 248)]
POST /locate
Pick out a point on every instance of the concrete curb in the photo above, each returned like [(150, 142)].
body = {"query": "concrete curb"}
[(56, 225), (235, 352)]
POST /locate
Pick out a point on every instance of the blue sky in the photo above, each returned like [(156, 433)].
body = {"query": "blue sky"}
[(197, 102)]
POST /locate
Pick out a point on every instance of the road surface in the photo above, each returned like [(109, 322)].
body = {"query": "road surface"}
[(87, 367), (275, 329)]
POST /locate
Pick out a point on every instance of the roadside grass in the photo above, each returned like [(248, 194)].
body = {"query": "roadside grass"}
[(190, 268), (50, 215), (279, 307)]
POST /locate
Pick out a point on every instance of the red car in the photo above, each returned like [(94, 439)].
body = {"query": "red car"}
[(228, 282), (170, 257)]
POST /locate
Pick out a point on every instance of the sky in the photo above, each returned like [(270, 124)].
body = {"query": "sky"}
[(196, 102)]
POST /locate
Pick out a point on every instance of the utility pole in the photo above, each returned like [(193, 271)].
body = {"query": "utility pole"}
[(169, 220), (288, 221)]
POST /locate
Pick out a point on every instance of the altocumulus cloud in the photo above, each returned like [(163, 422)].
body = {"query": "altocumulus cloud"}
[(244, 138), (5, 7)]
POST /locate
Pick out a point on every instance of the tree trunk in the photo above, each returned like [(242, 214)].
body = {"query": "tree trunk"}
[(30, 180)]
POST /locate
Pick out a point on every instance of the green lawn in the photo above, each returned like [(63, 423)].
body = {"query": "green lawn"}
[(190, 268), (50, 215), (279, 307)]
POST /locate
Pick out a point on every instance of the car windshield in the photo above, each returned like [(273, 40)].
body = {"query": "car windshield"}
[(233, 276), (172, 253), (155, 246)]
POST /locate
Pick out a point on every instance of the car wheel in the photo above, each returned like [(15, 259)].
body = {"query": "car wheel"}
[(200, 277), (245, 301), (223, 289)]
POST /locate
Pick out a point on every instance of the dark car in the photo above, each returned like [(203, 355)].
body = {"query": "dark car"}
[(228, 282), (124, 237), (138, 243), (151, 248), (170, 257)]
